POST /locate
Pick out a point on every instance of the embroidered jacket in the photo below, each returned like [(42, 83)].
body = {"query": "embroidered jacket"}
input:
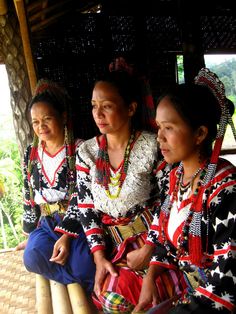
[(217, 289), (48, 182), (138, 191)]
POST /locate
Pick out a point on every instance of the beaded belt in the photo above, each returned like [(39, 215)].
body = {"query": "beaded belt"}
[(49, 209), (121, 232)]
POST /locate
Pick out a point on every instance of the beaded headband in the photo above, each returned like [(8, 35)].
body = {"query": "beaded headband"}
[(45, 85), (207, 78)]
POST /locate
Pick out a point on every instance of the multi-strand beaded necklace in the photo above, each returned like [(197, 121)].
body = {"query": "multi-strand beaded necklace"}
[(103, 172), (183, 242)]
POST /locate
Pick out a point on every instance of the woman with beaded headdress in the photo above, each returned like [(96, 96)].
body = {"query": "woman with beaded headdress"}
[(117, 191), (49, 187), (195, 230)]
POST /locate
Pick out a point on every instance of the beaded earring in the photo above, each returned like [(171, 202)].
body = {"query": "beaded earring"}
[(66, 134)]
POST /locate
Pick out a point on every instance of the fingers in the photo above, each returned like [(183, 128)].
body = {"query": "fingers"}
[(59, 256), (139, 307), (101, 274), (112, 271), (21, 246)]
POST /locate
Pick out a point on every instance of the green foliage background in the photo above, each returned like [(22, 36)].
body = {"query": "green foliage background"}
[(11, 183)]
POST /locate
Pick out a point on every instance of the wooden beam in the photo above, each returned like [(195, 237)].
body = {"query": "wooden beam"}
[(20, 9), (48, 21), (3, 7), (47, 10)]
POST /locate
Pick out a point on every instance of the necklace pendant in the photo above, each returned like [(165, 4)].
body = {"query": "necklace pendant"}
[(113, 196)]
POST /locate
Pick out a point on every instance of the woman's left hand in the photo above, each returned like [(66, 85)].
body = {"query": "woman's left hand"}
[(148, 295), (61, 250)]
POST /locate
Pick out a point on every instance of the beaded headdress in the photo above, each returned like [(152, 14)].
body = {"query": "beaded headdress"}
[(191, 231), (45, 86), (207, 78)]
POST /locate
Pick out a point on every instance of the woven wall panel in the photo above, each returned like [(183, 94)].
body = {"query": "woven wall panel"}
[(218, 33), (79, 51)]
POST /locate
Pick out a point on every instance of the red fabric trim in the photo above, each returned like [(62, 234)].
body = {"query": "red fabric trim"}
[(53, 155), (162, 165), (218, 178), (85, 205), (216, 298), (150, 243), (223, 186), (79, 168), (154, 227), (94, 231), (168, 266), (55, 172), (73, 235), (224, 251), (98, 248)]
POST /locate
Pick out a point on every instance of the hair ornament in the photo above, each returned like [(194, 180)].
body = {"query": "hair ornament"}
[(207, 78), (45, 85), (148, 108), (120, 64)]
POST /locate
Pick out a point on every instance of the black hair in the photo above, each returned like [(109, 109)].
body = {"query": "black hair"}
[(129, 88), (197, 106), (53, 94)]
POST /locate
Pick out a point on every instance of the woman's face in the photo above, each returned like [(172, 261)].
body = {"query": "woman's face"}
[(46, 121), (177, 140), (110, 113)]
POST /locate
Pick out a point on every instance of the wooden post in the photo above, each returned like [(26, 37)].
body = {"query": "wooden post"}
[(193, 55), (20, 9), (3, 7), (43, 295)]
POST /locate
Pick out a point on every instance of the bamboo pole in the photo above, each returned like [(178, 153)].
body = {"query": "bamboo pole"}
[(78, 299), (20, 9), (43, 295), (3, 7), (60, 298)]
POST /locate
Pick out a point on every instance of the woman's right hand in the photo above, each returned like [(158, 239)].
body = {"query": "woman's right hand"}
[(103, 267), (21, 245), (139, 259), (61, 250)]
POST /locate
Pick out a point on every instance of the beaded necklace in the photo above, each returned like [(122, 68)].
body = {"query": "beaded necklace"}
[(103, 173), (183, 242), (184, 187)]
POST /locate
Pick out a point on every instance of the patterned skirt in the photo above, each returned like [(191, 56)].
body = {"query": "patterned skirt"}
[(121, 294)]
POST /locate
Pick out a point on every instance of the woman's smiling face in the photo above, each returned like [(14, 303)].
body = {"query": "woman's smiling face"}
[(46, 122)]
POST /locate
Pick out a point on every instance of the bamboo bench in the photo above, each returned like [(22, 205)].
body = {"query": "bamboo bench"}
[(22, 293)]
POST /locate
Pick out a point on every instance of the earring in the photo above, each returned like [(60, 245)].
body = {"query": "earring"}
[(66, 134)]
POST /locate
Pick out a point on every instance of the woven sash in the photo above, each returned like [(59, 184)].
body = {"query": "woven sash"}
[(141, 224), (49, 209)]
